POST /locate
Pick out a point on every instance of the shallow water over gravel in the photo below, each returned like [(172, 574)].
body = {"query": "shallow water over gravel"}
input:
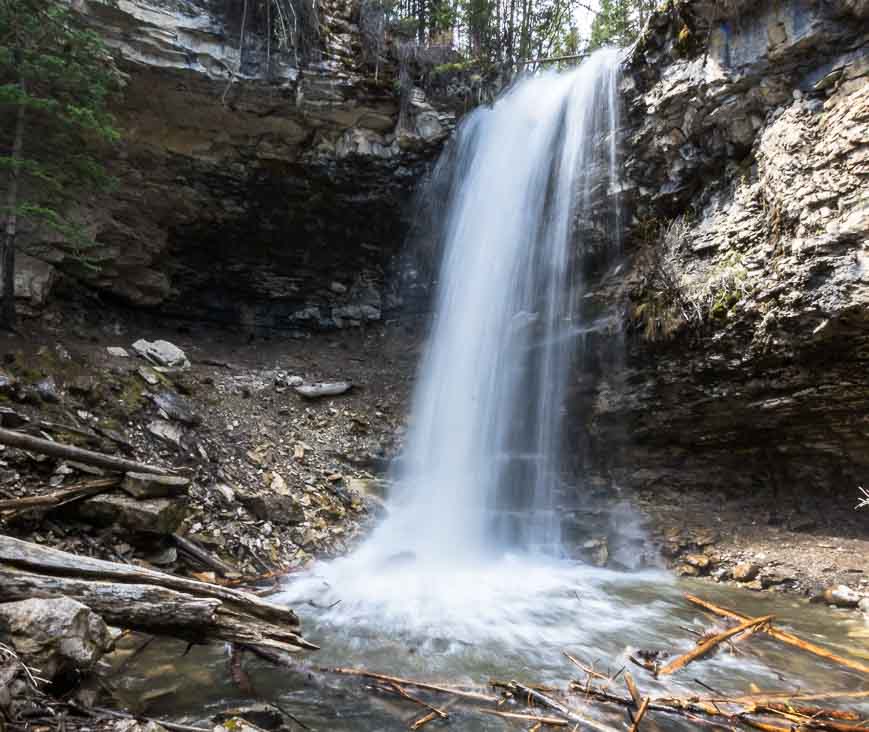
[(596, 615)]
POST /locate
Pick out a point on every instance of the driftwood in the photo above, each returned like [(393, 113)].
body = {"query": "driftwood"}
[(551, 721), (522, 690), (707, 645), (194, 550), (69, 452), (783, 636), (409, 682), (147, 600), (641, 712), (58, 498)]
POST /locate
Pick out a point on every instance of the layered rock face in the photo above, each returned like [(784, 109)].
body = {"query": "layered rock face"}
[(266, 188), (747, 281)]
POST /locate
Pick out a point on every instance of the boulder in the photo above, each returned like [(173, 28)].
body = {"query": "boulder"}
[(700, 561), (323, 389), (162, 353), (144, 485), (166, 431), (33, 279), (841, 596), (279, 509), (54, 635), (745, 572), (47, 390), (155, 515), (117, 352), (176, 407)]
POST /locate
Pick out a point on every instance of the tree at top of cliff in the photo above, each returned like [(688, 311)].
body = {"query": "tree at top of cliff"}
[(618, 22), (56, 77)]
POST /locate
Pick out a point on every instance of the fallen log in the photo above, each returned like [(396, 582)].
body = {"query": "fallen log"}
[(782, 636), (69, 452), (708, 645), (152, 609), (58, 498), (147, 600), (194, 550), (44, 560)]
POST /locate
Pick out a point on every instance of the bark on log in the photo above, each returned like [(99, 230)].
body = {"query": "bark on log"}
[(152, 609), (146, 600), (43, 560), (57, 498), (69, 452), (198, 553)]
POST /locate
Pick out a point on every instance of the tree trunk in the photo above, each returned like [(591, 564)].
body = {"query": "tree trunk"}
[(147, 600), (7, 248)]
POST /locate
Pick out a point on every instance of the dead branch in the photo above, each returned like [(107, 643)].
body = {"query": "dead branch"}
[(520, 690), (77, 454), (58, 498), (476, 696), (708, 645), (783, 636)]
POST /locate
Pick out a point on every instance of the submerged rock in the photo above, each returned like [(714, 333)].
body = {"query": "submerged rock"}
[(842, 596)]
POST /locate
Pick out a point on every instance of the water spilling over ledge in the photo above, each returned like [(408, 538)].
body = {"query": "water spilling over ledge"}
[(481, 474)]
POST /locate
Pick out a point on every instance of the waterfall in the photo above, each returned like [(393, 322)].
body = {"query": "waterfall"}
[(531, 187), (481, 470)]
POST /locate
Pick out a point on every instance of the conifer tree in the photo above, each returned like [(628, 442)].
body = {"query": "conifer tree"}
[(56, 77)]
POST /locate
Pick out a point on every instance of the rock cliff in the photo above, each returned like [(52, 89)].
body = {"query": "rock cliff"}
[(258, 184), (747, 281)]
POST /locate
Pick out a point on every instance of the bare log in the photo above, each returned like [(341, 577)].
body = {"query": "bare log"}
[(707, 645), (69, 452), (209, 560), (783, 636), (57, 498), (154, 609), (23, 555)]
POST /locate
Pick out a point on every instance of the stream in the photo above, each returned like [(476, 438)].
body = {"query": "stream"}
[(600, 617)]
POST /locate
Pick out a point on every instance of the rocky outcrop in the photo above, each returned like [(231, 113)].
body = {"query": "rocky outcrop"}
[(747, 292), (257, 184)]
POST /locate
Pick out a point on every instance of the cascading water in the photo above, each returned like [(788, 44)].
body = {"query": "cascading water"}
[(481, 470), (478, 487)]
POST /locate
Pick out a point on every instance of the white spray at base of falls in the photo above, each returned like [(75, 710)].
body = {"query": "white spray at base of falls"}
[(477, 490)]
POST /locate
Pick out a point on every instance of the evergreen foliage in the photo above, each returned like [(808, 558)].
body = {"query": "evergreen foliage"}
[(56, 78)]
